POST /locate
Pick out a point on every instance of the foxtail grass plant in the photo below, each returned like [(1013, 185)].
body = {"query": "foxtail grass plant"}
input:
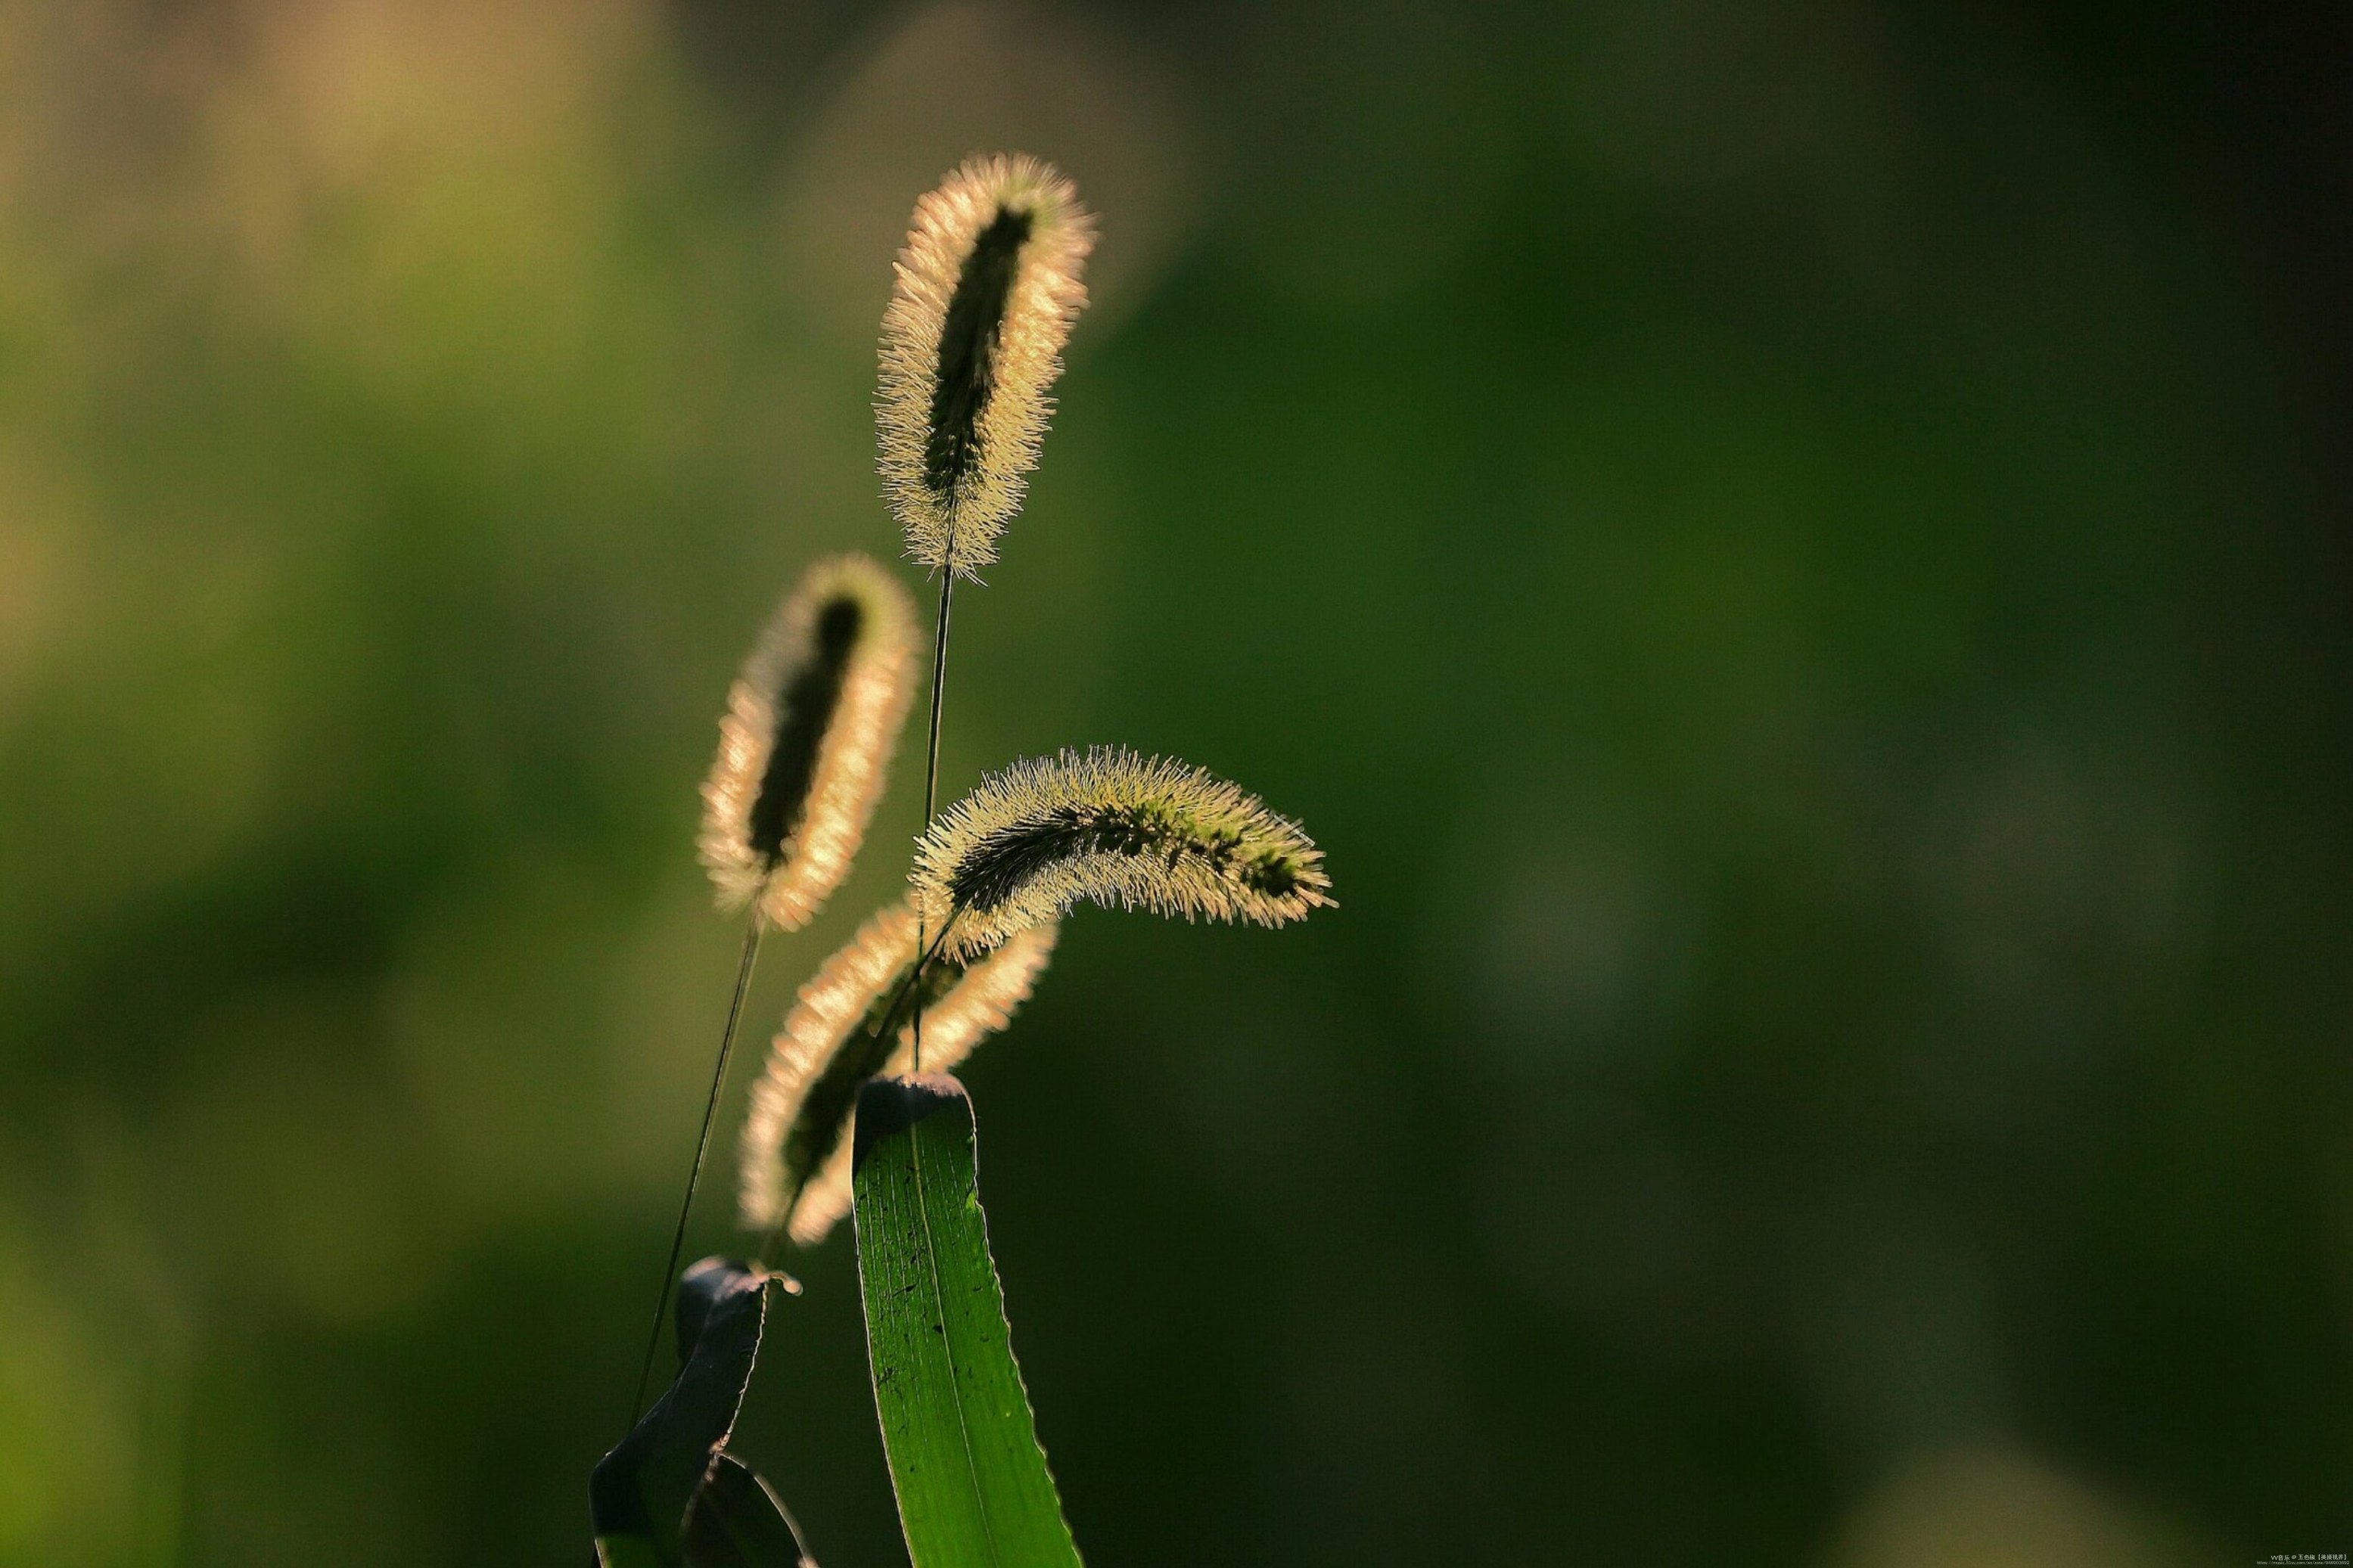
[(1107, 826), (844, 1119), (795, 1145), (988, 286), (804, 746)]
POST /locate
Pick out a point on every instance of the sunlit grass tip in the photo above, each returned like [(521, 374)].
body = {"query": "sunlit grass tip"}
[(988, 288), (1107, 826), (796, 1148), (805, 745)]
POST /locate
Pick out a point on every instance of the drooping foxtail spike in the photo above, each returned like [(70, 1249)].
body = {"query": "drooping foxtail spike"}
[(1113, 828), (988, 288), (795, 1146), (804, 746)]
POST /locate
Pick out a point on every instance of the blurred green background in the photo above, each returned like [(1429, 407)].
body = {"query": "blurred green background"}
[(1794, 557)]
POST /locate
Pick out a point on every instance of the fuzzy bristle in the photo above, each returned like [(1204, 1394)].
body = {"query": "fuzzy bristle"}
[(796, 1150), (805, 745), (1110, 827), (988, 288)]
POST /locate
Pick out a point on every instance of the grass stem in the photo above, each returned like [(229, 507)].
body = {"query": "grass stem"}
[(702, 1148), (932, 771)]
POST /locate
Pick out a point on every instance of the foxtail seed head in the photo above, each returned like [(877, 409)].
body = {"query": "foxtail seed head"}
[(1110, 827), (805, 745), (987, 288), (795, 1148)]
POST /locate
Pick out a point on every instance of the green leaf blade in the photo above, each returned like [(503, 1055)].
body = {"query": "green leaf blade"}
[(974, 1489)]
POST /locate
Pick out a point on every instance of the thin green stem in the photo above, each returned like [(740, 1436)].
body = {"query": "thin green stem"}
[(702, 1148), (932, 763)]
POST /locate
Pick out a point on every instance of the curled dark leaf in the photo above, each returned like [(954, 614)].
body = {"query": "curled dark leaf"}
[(738, 1521), (638, 1494)]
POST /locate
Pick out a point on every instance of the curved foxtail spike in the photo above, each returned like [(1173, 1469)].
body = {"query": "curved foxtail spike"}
[(987, 288), (804, 746), (796, 1150), (1113, 828)]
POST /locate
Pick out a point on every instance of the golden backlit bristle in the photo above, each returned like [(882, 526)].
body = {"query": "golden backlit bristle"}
[(805, 745), (809, 1089), (988, 288), (1110, 827)]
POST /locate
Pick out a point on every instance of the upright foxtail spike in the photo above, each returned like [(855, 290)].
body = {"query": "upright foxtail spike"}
[(804, 746), (1110, 827), (795, 1145), (988, 288)]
